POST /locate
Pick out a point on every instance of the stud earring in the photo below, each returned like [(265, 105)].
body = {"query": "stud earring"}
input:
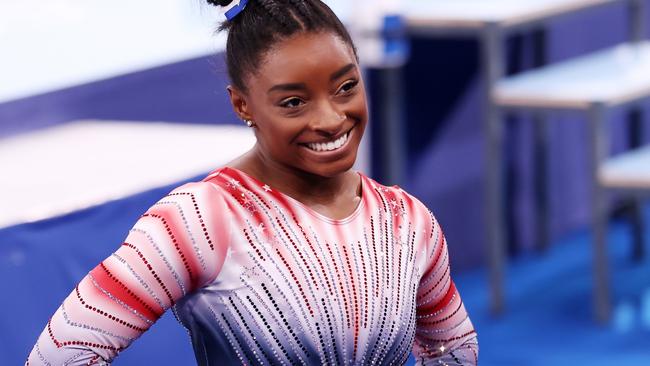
[(249, 123)]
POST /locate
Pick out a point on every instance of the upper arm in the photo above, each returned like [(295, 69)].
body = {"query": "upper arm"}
[(444, 331), (178, 245)]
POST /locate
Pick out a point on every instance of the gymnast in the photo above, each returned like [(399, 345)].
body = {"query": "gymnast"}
[(285, 255)]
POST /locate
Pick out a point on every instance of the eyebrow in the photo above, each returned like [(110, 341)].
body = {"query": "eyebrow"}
[(288, 87), (344, 70), (302, 86)]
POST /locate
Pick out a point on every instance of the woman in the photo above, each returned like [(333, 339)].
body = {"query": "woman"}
[(285, 256)]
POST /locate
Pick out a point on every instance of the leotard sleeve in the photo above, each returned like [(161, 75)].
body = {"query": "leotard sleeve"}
[(177, 246), (444, 333)]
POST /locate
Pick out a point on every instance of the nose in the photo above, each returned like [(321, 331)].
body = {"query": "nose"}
[(329, 120)]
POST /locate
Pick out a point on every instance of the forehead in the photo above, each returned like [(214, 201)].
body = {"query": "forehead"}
[(304, 56)]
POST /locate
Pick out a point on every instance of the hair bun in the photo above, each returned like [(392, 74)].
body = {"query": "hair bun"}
[(220, 2)]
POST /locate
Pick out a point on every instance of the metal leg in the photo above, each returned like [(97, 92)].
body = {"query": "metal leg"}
[(602, 305), (491, 60), (392, 120)]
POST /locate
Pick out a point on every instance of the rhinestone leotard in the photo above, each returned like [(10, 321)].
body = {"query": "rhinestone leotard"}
[(258, 278)]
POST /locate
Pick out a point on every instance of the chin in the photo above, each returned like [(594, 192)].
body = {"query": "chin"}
[(333, 169)]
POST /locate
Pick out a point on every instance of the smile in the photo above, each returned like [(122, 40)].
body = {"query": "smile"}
[(330, 145)]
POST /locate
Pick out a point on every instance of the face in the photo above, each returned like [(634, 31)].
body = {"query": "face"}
[(308, 103)]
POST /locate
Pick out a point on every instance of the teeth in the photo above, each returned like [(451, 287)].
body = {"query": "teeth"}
[(328, 146)]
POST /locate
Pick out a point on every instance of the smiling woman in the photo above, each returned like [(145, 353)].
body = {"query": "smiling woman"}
[(285, 255)]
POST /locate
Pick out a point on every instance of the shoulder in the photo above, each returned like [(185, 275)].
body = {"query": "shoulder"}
[(202, 201), (207, 191), (412, 203)]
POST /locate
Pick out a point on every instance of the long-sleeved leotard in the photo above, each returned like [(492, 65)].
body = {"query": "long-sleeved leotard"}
[(258, 278)]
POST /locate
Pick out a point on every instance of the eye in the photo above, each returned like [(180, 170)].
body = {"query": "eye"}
[(347, 86), (292, 102)]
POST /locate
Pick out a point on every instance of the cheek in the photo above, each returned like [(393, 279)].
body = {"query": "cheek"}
[(358, 107)]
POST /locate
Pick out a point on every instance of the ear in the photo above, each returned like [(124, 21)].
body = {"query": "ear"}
[(238, 99)]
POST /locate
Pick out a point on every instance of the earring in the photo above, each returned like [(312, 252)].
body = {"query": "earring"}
[(249, 123)]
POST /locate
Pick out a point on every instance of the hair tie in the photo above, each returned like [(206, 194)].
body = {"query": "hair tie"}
[(235, 9)]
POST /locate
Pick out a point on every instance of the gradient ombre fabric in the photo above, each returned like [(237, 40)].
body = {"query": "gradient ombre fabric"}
[(258, 278)]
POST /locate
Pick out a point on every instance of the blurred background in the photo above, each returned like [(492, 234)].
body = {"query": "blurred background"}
[(522, 124)]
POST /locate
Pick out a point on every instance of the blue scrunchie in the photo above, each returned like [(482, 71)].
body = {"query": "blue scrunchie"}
[(235, 10)]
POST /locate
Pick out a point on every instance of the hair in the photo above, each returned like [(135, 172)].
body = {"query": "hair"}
[(264, 23)]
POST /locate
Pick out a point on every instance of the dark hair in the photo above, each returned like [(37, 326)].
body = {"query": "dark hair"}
[(263, 23)]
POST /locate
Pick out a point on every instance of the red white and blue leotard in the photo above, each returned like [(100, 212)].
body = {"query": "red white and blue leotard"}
[(258, 278)]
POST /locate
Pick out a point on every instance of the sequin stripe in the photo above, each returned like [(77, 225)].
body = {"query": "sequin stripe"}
[(332, 334), (188, 232), (365, 285), (142, 282), (399, 281), (383, 351), (332, 300), (40, 356), (323, 348), (375, 273), (270, 330), (253, 336), (204, 229), (112, 284), (239, 341), (106, 314), (423, 294), (362, 307), (177, 246), (252, 244), (356, 305), (426, 323), (343, 333), (284, 320), (60, 344), (281, 271), (438, 250), (444, 283), (296, 281), (340, 280), (378, 338), (74, 358), (383, 201), (433, 223), (473, 350), (445, 340), (283, 326), (115, 299), (93, 360), (255, 325), (162, 256), (311, 246), (71, 323), (302, 257), (449, 329), (290, 233), (152, 270), (404, 345)]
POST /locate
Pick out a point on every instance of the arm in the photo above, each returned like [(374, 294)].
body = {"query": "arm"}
[(444, 332), (176, 247)]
